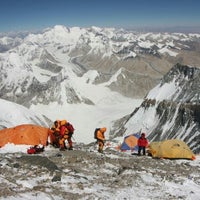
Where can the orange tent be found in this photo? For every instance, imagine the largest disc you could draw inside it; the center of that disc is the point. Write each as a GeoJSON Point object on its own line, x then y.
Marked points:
{"type": "Point", "coordinates": [28, 134]}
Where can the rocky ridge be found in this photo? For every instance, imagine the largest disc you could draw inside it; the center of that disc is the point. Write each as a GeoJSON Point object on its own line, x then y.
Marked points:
{"type": "Point", "coordinates": [85, 174]}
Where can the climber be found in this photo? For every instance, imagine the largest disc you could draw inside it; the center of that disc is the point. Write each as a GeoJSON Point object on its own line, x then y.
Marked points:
{"type": "Point", "coordinates": [100, 138]}
{"type": "Point", "coordinates": [142, 144]}
{"type": "Point", "coordinates": [54, 134]}
{"type": "Point", "coordinates": [66, 132]}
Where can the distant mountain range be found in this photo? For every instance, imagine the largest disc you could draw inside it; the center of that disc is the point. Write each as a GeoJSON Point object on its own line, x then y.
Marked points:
{"type": "Point", "coordinates": [127, 62]}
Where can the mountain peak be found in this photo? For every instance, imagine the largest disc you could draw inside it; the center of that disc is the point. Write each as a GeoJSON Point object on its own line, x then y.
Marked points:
{"type": "Point", "coordinates": [171, 109]}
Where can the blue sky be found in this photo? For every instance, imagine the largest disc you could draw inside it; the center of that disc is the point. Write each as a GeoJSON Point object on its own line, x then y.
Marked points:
{"type": "Point", "coordinates": [18, 15]}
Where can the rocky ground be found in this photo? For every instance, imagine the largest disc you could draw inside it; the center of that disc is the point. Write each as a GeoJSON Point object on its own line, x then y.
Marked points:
{"type": "Point", "coordinates": [85, 174]}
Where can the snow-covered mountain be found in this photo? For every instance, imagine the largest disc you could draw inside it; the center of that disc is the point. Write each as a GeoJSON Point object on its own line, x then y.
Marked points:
{"type": "Point", "coordinates": [171, 109]}
{"type": "Point", "coordinates": [89, 75]}
{"type": "Point", "coordinates": [37, 67]}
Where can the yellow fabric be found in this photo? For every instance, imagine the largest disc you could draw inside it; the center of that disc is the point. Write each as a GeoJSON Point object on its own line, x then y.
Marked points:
{"type": "Point", "coordinates": [62, 142]}
{"type": "Point", "coordinates": [171, 149]}
{"type": "Point", "coordinates": [24, 134]}
{"type": "Point", "coordinates": [63, 122]}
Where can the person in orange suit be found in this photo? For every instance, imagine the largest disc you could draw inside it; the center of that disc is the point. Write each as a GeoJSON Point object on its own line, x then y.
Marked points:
{"type": "Point", "coordinates": [101, 139]}
{"type": "Point", "coordinates": [66, 132]}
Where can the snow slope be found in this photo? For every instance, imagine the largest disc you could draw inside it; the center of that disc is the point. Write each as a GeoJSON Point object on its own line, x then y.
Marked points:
{"type": "Point", "coordinates": [108, 107]}
{"type": "Point", "coordinates": [13, 114]}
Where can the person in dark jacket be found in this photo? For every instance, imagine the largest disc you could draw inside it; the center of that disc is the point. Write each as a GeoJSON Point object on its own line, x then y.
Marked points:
{"type": "Point", "coordinates": [142, 144]}
{"type": "Point", "coordinates": [54, 134]}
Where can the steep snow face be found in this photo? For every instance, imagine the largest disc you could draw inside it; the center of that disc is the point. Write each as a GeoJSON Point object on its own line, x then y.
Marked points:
{"type": "Point", "coordinates": [59, 35]}
{"type": "Point", "coordinates": [13, 114]}
{"type": "Point", "coordinates": [179, 84]}
{"type": "Point", "coordinates": [171, 109]}
{"type": "Point", "coordinates": [163, 92]}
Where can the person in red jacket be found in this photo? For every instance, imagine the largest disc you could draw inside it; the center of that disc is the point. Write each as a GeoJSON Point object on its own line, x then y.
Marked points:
{"type": "Point", "coordinates": [142, 144]}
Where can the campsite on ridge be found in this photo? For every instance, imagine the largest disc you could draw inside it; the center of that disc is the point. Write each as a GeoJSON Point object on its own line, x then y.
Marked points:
{"type": "Point", "coordinates": [130, 83]}
{"type": "Point", "coordinates": [99, 100]}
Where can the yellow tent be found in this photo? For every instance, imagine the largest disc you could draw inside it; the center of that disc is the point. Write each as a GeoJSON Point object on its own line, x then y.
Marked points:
{"type": "Point", "coordinates": [171, 149]}
{"type": "Point", "coordinates": [28, 134]}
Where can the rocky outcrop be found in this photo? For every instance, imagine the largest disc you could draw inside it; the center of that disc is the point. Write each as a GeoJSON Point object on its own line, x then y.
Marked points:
{"type": "Point", "coordinates": [178, 120]}
{"type": "Point", "coordinates": [86, 174]}
{"type": "Point", "coordinates": [171, 109]}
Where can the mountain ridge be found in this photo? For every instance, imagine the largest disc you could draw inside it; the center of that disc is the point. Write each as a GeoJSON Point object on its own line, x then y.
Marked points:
{"type": "Point", "coordinates": [171, 109]}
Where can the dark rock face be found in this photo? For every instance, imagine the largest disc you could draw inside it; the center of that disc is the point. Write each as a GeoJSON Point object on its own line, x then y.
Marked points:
{"type": "Point", "coordinates": [177, 115]}
{"type": "Point", "coordinates": [186, 124]}
{"type": "Point", "coordinates": [187, 79]}
{"type": "Point", "coordinates": [183, 109]}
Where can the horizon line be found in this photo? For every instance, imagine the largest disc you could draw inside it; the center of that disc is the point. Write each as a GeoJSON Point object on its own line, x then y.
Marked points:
{"type": "Point", "coordinates": [170, 29]}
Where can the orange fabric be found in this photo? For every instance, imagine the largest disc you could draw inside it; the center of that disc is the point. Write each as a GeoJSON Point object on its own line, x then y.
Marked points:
{"type": "Point", "coordinates": [51, 136]}
{"type": "Point", "coordinates": [131, 141]}
{"type": "Point", "coordinates": [65, 136]}
{"type": "Point", "coordinates": [193, 157]}
{"type": "Point", "coordinates": [103, 129]}
{"type": "Point", "coordinates": [28, 134]}
{"type": "Point", "coordinates": [62, 141]}
{"type": "Point", "coordinates": [101, 138]}
{"type": "Point", "coordinates": [100, 134]}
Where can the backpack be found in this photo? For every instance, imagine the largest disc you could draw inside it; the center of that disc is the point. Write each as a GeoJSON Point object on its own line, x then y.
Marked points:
{"type": "Point", "coordinates": [35, 149]}
{"type": "Point", "coordinates": [31, 150]}
{"type": "Point", "coordinates": [95, 133]}
{"type": "Point", "coordinates": [70, 127]}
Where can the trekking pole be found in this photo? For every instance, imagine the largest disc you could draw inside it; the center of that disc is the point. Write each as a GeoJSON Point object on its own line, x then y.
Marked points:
{"type": "Point", "coordinates": [73, 138]}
